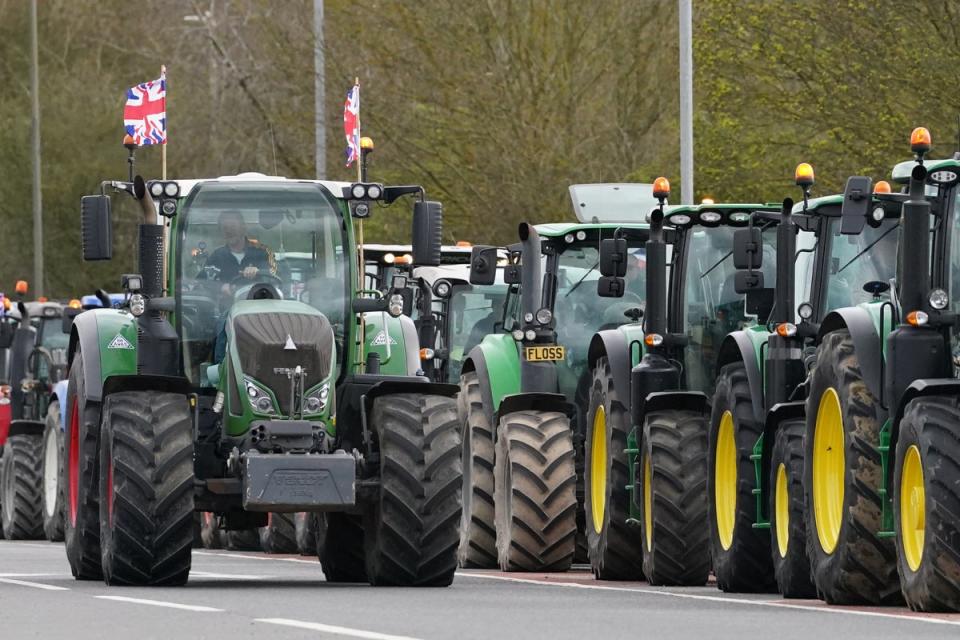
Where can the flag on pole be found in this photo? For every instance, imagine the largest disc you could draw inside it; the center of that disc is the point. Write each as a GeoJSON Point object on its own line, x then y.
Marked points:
{"type": "Point", "coordinates": [145, 113]}
{"type": "Point", "coordinates": [351, 123]}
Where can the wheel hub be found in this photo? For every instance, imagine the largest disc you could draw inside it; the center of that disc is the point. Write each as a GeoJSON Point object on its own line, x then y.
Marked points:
{"type": "Point", "coordinates": [829, 470]}
{"type": "Point", "coordinates": [725, 480]}
{"type": "Point", "coordinates": [51, 469]}
{"type": "Point", "coordinates": [73, 463]}
{"type": "Point", "coordinates": [598, 469]}
{"type": "Point", "coordinates": [912, 508]}
{"type": "Point", "coordinates": [647, 502]}
{"type": "Point", "coordinates": [782, 511]}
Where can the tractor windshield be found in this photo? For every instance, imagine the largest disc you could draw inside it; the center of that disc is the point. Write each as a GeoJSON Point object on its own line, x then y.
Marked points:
{"type": "Point", "coordinates": [713, 308]}
{"type": "Point", "coordinates": [237, 235]}
{"type": "Point", "coordinates": [858, 259]}
{"type": "Point", "coordinates": [474, 312]}
{"type": "Point", "coordinates": [580, 312]}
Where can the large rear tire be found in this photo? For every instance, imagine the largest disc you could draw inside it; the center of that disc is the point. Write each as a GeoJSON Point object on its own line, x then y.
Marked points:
{"type": "Point", "coordinates": [673, 484]}
{"type": "Point", "coordinates": [146, 488]}
{"type": "Point", "coordinates": [536, 501]}
{"type": "Point", "coordinates": [788, 531]}
{"type": "Point", "coordinates": [53, 475]}
{"type": "Point", "coordinates": [340, 547]}
{"type": "Point", "coordinates": [81, 498]}
{"type": "Point", "coordinates": [412, 530]}
{"type": "Point", "coordinates": [242, 540]}
{"type": "Point", "coordinates": [305, 526]}
{"type": "Point", "coordinates": [280, 534]}
{"type": "Point", "coordinates": [926, 504]}
{"type": "Point", "coordinates": [842, 476]}
{"type": "Point", "coordinates": [615, 548]}
{"type": "Point", "coordinates": [21, 473]}
{"type": "Point", "coordinates": [741, 553]}
{"type": "Point", "coordinates": [478, 534]}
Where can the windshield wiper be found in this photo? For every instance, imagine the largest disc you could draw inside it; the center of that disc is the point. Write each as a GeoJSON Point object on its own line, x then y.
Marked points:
{"type": "Point", "coordinates": [867, 248]}
{"type": "Point", "coordinates": [580, 281]}
{"type": "Point", "coordinates": [716, 264]}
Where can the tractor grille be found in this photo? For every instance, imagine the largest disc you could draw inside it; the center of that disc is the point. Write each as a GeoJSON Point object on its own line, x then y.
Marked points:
{"type": "Point", "coordinates": [262, 340]}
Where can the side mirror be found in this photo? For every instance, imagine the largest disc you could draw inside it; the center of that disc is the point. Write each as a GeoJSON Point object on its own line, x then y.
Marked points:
{"type": "Point", "coordinates": [613, 257]}
{"type": "Point", "coordinates": [483, 265]}
{"type": "Point", "coordinates": [427, 231]}
{"type": "Point", "coordinates": [68, 317]}
{"type": "Point", "coordinates": [747, 249]}
{"type": "Point", "coordinates": [610, 286]}
{"type": "Point", "coordinates": [96, 230]}
{"type": "Point", "coordinates": [759, 302]}
{"type": "Point", "coordinates": [747, 281]}
{"type": "Point", "coordinates": [6, 335]}
{"type": "Point", "coordinates": [856, 207]}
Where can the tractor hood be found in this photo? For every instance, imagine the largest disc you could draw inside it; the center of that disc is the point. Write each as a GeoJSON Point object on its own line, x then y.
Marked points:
{"type": "Point", "coordinates": [271, 338]}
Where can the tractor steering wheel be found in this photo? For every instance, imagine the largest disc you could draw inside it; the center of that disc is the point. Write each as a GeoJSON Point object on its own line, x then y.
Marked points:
{"type": "Point", "coordinates": [262, 276]}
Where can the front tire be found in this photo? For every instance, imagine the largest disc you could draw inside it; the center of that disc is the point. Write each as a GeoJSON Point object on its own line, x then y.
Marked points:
{"type": "Point", "coordinates": [536, 501]}
{"type": "Point", "coordinates": [53, 475]}
{"type": "Point", "coordinates": [305, 527]}
{"type": "Point", "coordinates": [842, 476]}
{"type": "Point", "coordinates": [478, 534]}
{"type": "Point", "coordinates": [340, 547]}
{"type": "Point", "coordinates": [741, 553]}
{"type": "Point", "coordinates": [413, 534]}
{"type": "Point", "coordinates": [21, 483]}
{"type": "Point", "coordinates": [788, 532]}
{"type": "Point", "coordinates": [81, 500]}
{"type": "Point", "coordinates": [280, 534]}
{"type": "Point", "coordinates": [673, 469]}
{"type": "Point", "coordinates": [614, 547]}
{"type": "Point", "coordinates": [146, 488]}
{"type": "Point", "coordinates": [926, 504]}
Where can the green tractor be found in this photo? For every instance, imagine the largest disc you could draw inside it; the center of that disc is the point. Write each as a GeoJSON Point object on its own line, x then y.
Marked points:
{"type": "Point", "coordinates": [757, 532]}
{"type": "Point", "coordinates": [881, 454]}
{"type": "Point", "coordinates": [523, 388]}
{"type": "Point", "coordinates": [227, 384]}
{"type": "Point", "coordinates": [646, 445]}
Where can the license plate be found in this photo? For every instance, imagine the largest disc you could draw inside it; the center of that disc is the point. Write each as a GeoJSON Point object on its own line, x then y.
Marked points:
{"type": "Point", "coordinates": [544, 353]}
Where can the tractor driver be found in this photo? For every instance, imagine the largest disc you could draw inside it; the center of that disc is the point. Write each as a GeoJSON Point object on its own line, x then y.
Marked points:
{"type": "Point", "coordinates": [239, 255]}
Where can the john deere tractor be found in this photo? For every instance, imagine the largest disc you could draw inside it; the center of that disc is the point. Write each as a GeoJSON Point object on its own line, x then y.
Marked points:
{"type": "Point", "coordinates": [230, 385]}
{"type": "Point", "coordinates": [757, 531]}
{"type": "Point", "coordinates": [646, 446]}
{"type": "Point", "coordinates": [523, 388]}
{"type": "Point", "coordinates": [881, 452]}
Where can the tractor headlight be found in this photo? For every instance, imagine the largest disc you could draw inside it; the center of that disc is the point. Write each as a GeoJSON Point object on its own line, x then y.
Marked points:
{"type": "Point", "coordinates": [544, 316]}
{"type": "Point", "coordinates": [260, 398]}
{"type": "Point", "coordinates": [138, 304]}
{"type": "Point", "coordinates": [441, 288]}
{"type": "Point", "coordinates": [528, 317]}
{"type": "Point", "coordinates": [680, 219]}
{"type": "Point", "coordinates": [156, 189]}
{"type": "Point", "coordinates": [168, 208]}
{"type": "Point", "coordinates": [316, 400]}
{"type": "Point", "coordinates": [710, 217]}
{"type": "Point", "coordinates": [374, 192]}
{"type": "Point", "coordinates": [517, 335]}
{"type": "Point", "coordinates": [568, 238]}
{"type": "Point", "coordinates": [805, 310]}
{"type": "Point", "coordinates": [877, 214]}
{"type": "Point", "coordinates": [359, 191]}
{"type": "Point", "coordinates": [171, 189]}
{"type": "Point", "coordinates": [739, 217]}
{"type": "Point", "coordinates": [530, 335]}
{"type": "Point", "coordinates": [939, 299]}
{"type": "Point", "coordinates": [581, 235]}
{"type": "Point", "coordinates": [395, 305]}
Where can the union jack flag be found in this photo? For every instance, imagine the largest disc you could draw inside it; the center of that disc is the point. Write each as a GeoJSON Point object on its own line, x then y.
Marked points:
{"type": "Point", "coordinates": [351, 123]}
{"type": "Point", "coordinates": [145, 114]}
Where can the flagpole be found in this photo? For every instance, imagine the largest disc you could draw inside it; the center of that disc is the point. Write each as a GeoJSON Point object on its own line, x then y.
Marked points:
{"type": "Point", "coordinates": [362, 264]}
{"type": "Point", "coordinates": [166, 133]}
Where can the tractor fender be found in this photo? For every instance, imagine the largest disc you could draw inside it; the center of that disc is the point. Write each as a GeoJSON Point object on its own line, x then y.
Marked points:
{"type": "Point", "coordinates": [411, 344]}
{"type": "Point", "coordinates": [60, 395]}
{"type": "Point", "coordinates": [742, 346]}
{"type": "Point", "coordinates": [535, 402]}
{"type": "Point", "coordinates": [613, 344]}
{"type": "Point", "coordinates": [777, 414]}
{"type": "Point", "coordinates": [920, 388]}
{"type": "Point", "coordinates": [109, 338]}
{"type": "Point", "coordinates": [26, 428]}
{"type": "Point", "coordinates": [866, 342]}
{"type": "Point", "coordinates": [496, 361]}
{"type": "Point", "coordinates": [418, 384]}
{"type": "Point", "coordinates": [677, 400]}
{"type": "Point", "coordinates": [141, 382]}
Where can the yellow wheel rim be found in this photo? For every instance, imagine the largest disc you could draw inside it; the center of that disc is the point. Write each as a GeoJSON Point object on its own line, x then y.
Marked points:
{"type": "Point", "coordinates": [598, 469]}
{"type": "Point", "coordinates": [913, 519]}
{"type": "Point", "coordinates": [829, 470]}
{"type": "Point", "coordinates": [647, 502]}
{"type": "Point", "coordinates": [782, 511]}
{"type": "Point", "coordinates": [725, 480]}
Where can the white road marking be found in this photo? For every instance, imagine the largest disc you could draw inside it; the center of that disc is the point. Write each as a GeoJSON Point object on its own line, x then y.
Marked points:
{"type": "Point", "coordinates": [34, 575]}
{"type": "Point", "coordinates": [695, 596]}
{"type": "Point", "coordinates": [35, 585]}
{"type": "Point", "coordinates": [329, 628]}
{"type": "Point", "coordinates": [162, 603]}
{"type": "Point", "coordinates": [225, 576]}
{"type": "Point", "coordinates": [244, 556]}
